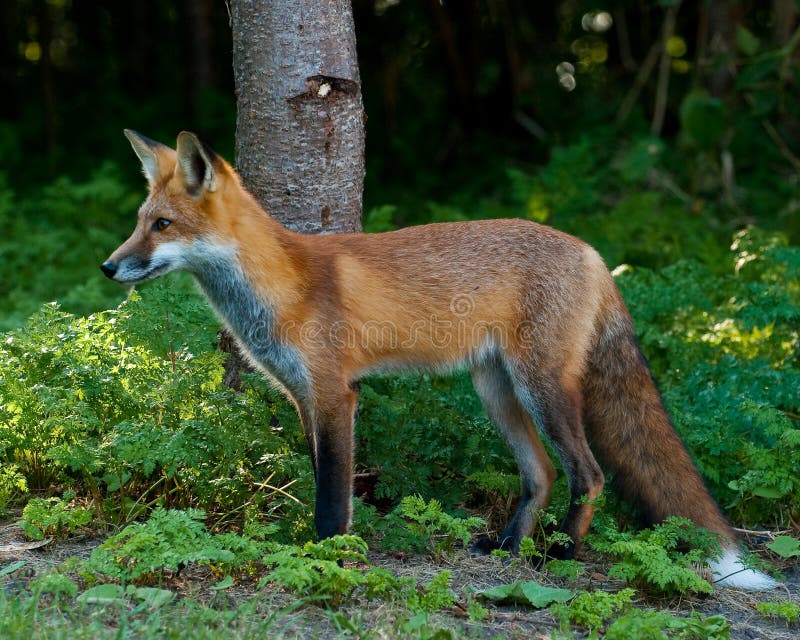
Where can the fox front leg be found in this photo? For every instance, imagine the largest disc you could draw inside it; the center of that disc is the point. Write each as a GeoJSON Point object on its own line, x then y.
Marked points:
{"type": "Point", "coordinates": [329, 429]}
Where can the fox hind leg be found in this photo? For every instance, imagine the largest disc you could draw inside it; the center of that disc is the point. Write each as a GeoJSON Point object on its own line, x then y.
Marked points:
{"type": "Point", "coordinates": [558, 412]}
{"type": "Point", "coordinates": [496, 391]}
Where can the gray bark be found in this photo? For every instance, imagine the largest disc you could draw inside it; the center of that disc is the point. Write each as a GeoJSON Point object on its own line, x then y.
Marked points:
{"type": "Point", "coordinates": [300, 119]}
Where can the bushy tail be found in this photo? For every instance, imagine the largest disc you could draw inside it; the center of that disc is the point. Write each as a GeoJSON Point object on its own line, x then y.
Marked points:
{"type": "Point", "coordinates": [633, 437]}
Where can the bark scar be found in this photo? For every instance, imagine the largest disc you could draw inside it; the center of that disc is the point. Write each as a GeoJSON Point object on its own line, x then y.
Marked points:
{"type": "Point", "coordinates": [326, 216]}
{"type": "Point", "coordinates": [325, 88]}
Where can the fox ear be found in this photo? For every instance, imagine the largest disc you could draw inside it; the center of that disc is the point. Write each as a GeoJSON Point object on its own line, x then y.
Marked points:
{"type": "Point", "coordinates": [148, 151]}
{"type": "Point", "coordinates": [195, 163]}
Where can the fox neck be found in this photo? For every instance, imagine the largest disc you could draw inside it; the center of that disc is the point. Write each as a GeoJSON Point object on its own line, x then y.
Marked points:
{"type": "Point", "coordinates": [267, 252]}
{"type": "Point", "coordinates": [235, 277]}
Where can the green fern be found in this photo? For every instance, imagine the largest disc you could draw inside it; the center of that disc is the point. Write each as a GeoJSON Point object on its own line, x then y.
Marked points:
{"type": "Point", "coordinates": [165, 543]}
{"type": "Point", "coordinates": [653, 559]}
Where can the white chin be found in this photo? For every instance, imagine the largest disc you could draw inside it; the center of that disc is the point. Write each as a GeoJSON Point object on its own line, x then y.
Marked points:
{"type": "Point", "coordinates": [133, 278]}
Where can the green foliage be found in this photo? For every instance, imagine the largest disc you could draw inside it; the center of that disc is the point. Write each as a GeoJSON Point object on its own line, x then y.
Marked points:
{"type": "Point", "coordinates": [12, 485]}
{"type": "Point", "coordinates": [702, 119]}
{"type": "Point", "coordinates": [546, 534]}
{"type": "Point", "coordinates": [660, 625]}
{"type": "Point", "coordinates": [316, 570]}
{"type": "Point", "coordinates": [614, 613]}
{"type": "Point", "coordinates": [419, 627]}
{"type": "Point", "coordinates": [476, 612]}
{"type": "Point", "coordinates": [785, 609]}
{"type": "Point", "coordinates": [11, 568]}
{"type": "Point", "coordinates": [653, 558]}
{"type": "Point", "coordinates": [149, 598]}
{"type": "Point", "coordinates": [103, 594]}
{"type": "Point", "coordinates": [331, 570]}
{"type": "Point", "coordinates": [53, 517]}
{"type": "Point", "coordinates": [529, 592]}
{"type": "Point", "coordinates": [122, 405]}
{"type": "Point", "coordinates": [112, 612]}
{"type": "Point", "coordinates": [56, 584]}
{"type": "Point", "coordinates": [426, 525]}
{"type": "Point", "coordinates": [52, 241]}
{"type": "Point", "coordinates": [592, 610]}
{"type": "Point", "coordinates": [166, 542]}
{"type": "Point", "coordinates": [528, 550]}
{"type": "Point", "coordinates": [726, 353]}
{"type": "Point", "coordinates": [379, 219]}
{"type": "Point", "coordinates": [569, 186]}
{"type": "Point", "coordinates": [569, 569]}
{"type": "Point", "coordinates": [785, 546]}
{"type": "Point", "coordinates": [424, 434]}
{"type": "Point", "coordinates": [502, 484]}
{"type": "Point", "coordinates": [434, 595]}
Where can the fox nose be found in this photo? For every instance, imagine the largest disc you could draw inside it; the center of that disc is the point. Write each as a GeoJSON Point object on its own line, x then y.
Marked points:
{"type": "Point", "coordinates": [109, 268]}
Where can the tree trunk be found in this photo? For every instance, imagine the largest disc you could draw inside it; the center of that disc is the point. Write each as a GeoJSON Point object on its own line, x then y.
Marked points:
{"type": "Point", "coordinates": [300, 119]}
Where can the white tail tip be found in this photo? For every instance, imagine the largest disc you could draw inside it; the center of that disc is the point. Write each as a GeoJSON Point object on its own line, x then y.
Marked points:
{"type": "Point", "coordinates": [730, 571]}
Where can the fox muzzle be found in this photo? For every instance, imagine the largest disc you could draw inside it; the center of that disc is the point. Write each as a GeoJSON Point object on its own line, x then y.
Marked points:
{"type": "Point", "coordinates": [109, 269]}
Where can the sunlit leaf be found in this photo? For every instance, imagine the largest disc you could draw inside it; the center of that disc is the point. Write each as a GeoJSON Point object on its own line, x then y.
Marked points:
{"type": "Point", "coordinates": [530, 593]}
{"type": "Point", "coordinates": [785, 546]}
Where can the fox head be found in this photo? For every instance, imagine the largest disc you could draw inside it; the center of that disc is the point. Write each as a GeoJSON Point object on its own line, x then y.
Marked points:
{"type": "Point", "coordinates": [186, 185]}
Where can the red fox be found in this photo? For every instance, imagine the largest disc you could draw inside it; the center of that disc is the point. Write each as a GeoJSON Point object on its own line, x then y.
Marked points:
{"type": "Point", "coordinates": [532, 312]}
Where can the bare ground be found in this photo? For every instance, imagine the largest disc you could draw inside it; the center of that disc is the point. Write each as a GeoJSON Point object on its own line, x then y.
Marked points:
{"type": "Point", "coordinates": [738, 607]}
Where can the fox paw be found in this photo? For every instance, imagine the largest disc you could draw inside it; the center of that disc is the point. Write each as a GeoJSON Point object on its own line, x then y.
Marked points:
{"type": "Point", "coordinates": [483, 546]}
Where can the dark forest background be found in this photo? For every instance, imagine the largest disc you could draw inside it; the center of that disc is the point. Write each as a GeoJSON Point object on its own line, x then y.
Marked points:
{"type": "Point", "coordinates": [455, 92]}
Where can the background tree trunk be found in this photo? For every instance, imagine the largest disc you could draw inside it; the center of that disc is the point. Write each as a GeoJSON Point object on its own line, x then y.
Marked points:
{"type": "Point", "coordinates": [300, 119]}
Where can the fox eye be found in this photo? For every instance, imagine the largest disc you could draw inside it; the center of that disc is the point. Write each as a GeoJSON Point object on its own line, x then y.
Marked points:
{"type": "Point", "coordinates": [161, 224]}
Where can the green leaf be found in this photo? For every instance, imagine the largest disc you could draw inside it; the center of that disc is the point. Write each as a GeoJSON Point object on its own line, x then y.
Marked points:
{"type": "Point", "coordinates": [102, 594]}
{"type": "Point", "coordinates": [5, 571]}
{"type": "Point", "coordinates": [541, 596]}
{"type": "Point", "coordinates": [225, 583]}
{"type": "Point", "coordinates": [702, 119]}
{"type": "Point", "coordinates": [785, 546]}
{"type": "Point", "coordinates": [746, 42]}
{"type": "Point", "coordinates": [152, 597]}
{"type": "Point", "coordinates": [643, 155]}
{"type": "Point", "coordinates": [530, 593]}
{"type": "Point", "coordinates": [768, 492]}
